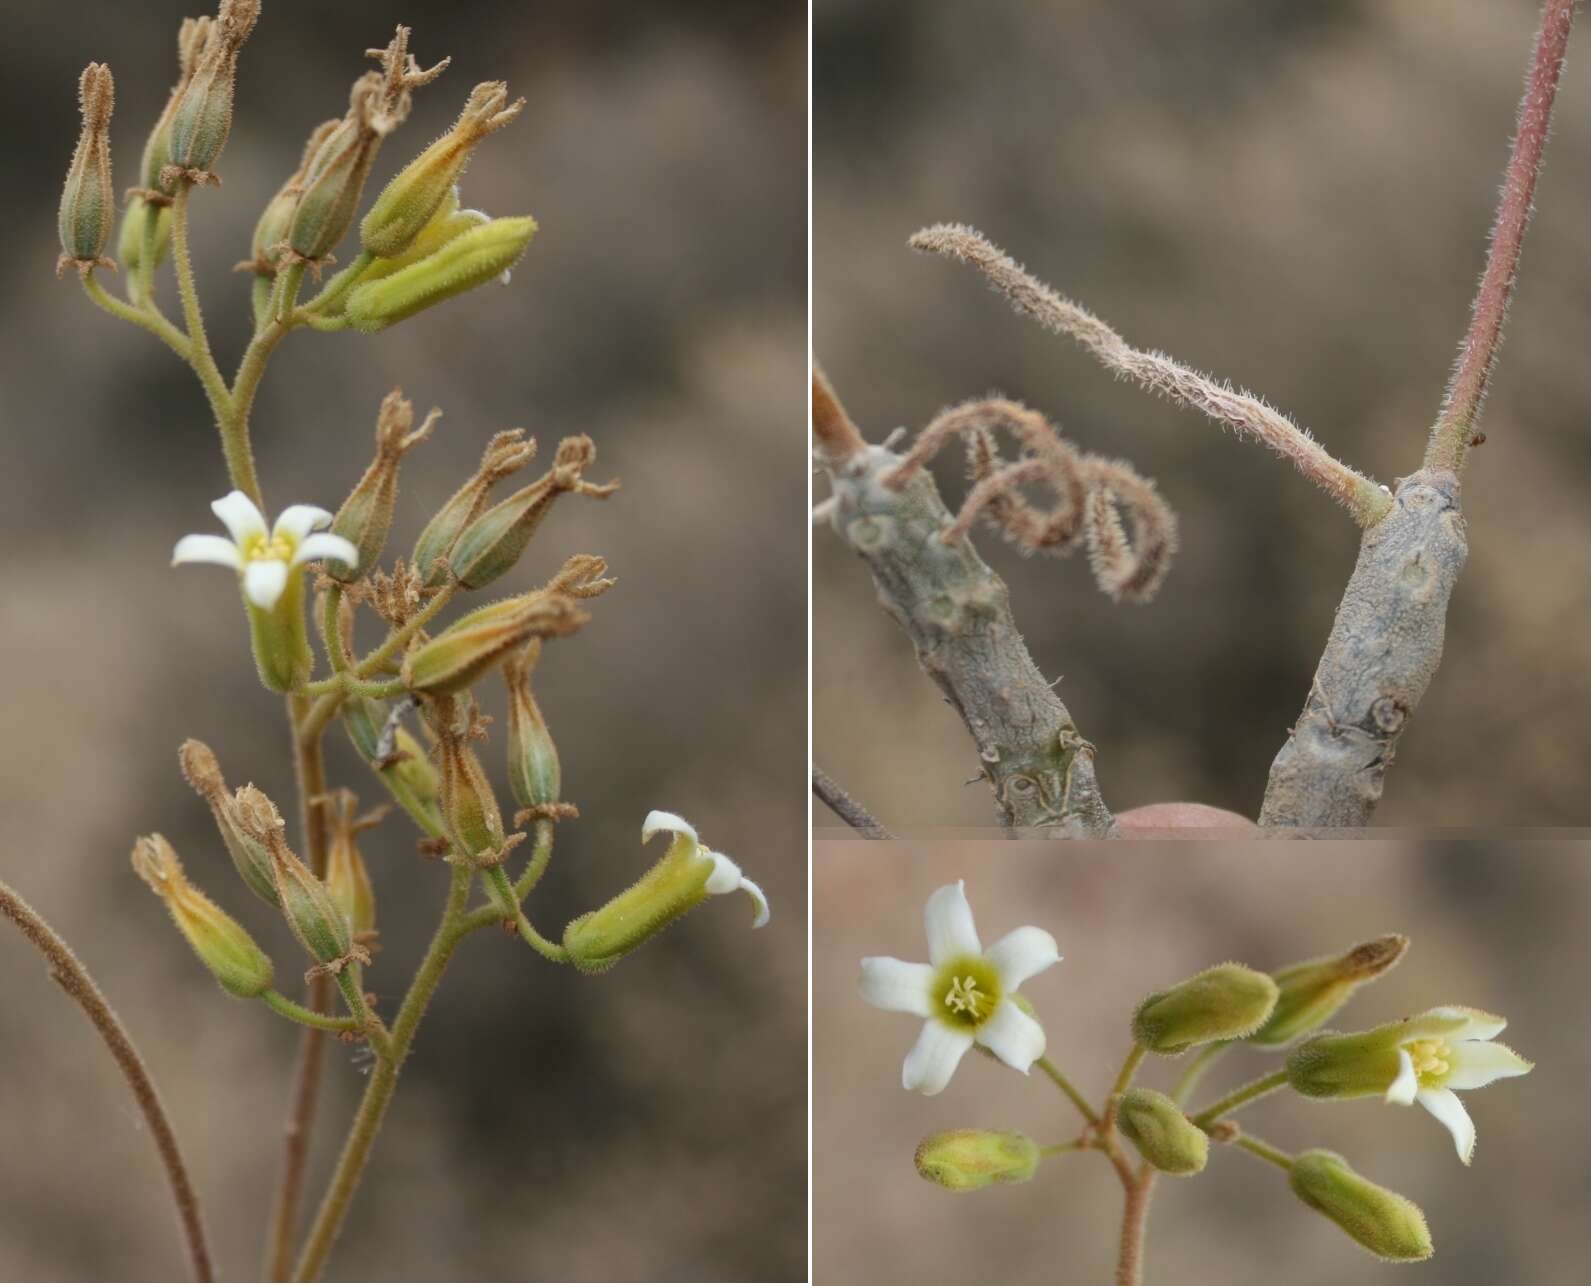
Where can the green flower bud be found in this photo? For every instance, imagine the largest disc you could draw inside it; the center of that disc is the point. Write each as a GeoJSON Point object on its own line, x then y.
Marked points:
{"type": "Point", "coordinates": [276, 219]}
{"type": "Point", "coordinates": [448, 222]}
{"type": "Point", "coordinates": [347, 878]}
{"type": "Point", "coordinates": [251, 858]}
{"type": "Point", "coordinates": [220, 942]}
{"type": "Point", "coordinates": [306, 903]}
{"type": "Point", "coordinates": [685, 875]}
{"type": "Point", "coordinates": [398, 759]}
{"type": "Point", "coordinates": [963, 1160]}
{"type": "Point", "coordinates": [1385, 1224]}
{"type": "Point", "coordinates": [1227, 1002]}
{"type": "Point", "coordinates": [334, 179]}
{"type": "Point", "coordinates": [88, 201]}
{"type": "Point", "coordinates": [1311, 992]}
{"type": "Point", "coordinates": [480, 255]}
{"type": "Point", "coordinates": [130, 245]}
{"type": "Point", "coordinates": [506, 453]}
{"type": "Point", "coordinates": [192, 37]}
{"type": "Point", "coordinates": [533, 771]}
{"type": "Point", "coordinates": [202, 116]}
{"type": "Point", "coordinates": [409, 202]}
{"type": "Point", "coordinates": [473, 822]}
{"type": "Point", "coordinates": [1164, 1137]}
{"type": "Point", "coordinates": [493, 542]}
{"type": "Point", "coordinates": [365, 517]}
{"type": "Point", "coordinates": [478, 642]}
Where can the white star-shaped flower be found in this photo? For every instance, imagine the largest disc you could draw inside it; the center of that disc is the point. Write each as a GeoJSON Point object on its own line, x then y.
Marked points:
{"type": "Point", "coordinates": [265, 558]}
{"type": "Point", "coordinates": [965, 993]}
{"type": "Point", "coordinates": [1449, 1049]}
{"type": "Point", "coordinates": [726, 876]}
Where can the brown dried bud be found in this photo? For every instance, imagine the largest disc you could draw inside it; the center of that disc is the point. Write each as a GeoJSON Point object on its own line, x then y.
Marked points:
{"type": "Point", "coordinates": [365, 517]}
{"type": "Point", "coordinates": [270, 232]}
{"type": "Point", "coordinates": [249, 855]}
{"type": "Point", "coordinates": [202, 118]}
{"type": "Point", "coordinates": [192, 37]}
{"type": "Point", "coordinates": [479, 641]}
{"type": "Point", "coordinates": [88, 202]}
{"type": "Point", "coordinates": [469, 808]}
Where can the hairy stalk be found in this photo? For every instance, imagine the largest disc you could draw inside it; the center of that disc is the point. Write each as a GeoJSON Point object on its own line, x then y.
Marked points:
{"type": "Point", "coordinates": [1156, 372]}
{"type": "Point", "coordinates": [957, 613]}
{"type": "Point", "coordinates": [540, 856]}
{"type": "Point", "coordinates": [68, 970]}
{"type": "Point", "coordinates": [295, 1012]}
{"type": "Point", "coordinates": [1386, 641]}
{"type": "Point", "coordinates": [847, 809]}
{"type": "Point", "coordinates": [310, 776]}
{"type": "Point", "coordinates": [154, 323]}
{"type": "Point", "coordinates": [1263, 1150]}
{"type": "Point", "coordinates": [1454, 433]}
{"type": "Point", "coordinates": [1134, 1224]}
{"type": "Point", "coordinates": [1066, 1087]}
{"type": "Point", "coordinates": [1239, 1097]}
{"type": "Point", "coordinates": [384, 1080]}
{"type": "Point", "coordinates": [1194, 1072]}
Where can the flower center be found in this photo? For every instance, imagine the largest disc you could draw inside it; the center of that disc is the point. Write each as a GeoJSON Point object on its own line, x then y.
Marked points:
{"type": "Point", "coordinates": [1432, 1060]}
{"type": "Point", "coordinates": [266, 548]}
{"type": "Point", "coordinates": [966, 992]}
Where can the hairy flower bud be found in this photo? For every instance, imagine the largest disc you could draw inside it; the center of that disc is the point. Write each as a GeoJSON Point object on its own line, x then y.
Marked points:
{"type": "Point", "coordinates": [1384, 1223]}
{"type": "Point", "coordinates": [399, 760]}
{"type": "Point", "coordinates": [220, 942]}
{"type": "Point", "coordinates": [365, 517]}
{"type": "Point", "coordinates": [506, 453]}
{"type": "Point", "coordinates": [202, 116]}
{"type": "Point", "coordinates": [479, 641]}
{"type": "Point", "coordinates": [192, 37]}
{"type": "Point", "coordinates": [964, 1160]}
{"type": "Point", "coordinates": [334, 178]}
{"type": "Point", "coordinates": [408, 203]}
{"type": "Point", "coordinates": [88, 201]}
{"type": "Point", "coordinates": [1312, 991]}
{"type": "Point", "coordinates": [1227, 1002]}
{"type": "Point", "coordinates": [347, 879]}
{"type": "Point", "coordinates": [470, 814]}
{"type": "Point", "coordinates": [276, 219]}
{"type": "Point", "coordinates": [251, 858]}
{"type": "Point", "coordinates": [1163, 1135]}
{"type": "Point", "coordinates": [479, 255]}
{"type": "Point", "coordinates": [493, 542]}
{"type": "Point", "coordinates": [534, 775]}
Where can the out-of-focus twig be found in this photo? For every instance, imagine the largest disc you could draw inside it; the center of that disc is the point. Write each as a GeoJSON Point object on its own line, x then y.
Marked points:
{"type": "Point", "coordinates": [847, 809]}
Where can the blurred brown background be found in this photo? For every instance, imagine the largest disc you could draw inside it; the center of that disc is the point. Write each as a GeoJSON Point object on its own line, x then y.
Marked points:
{"type": "Point", "coordinates": [647, 1124]}
{"type": "Point", "coordinates": [1132, 919]}
{"type": "Point", "coordinates": [1292, 196]}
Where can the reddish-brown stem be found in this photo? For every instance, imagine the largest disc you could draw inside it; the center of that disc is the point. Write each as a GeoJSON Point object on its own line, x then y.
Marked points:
{"type": "Point", "coordinates": [1466, 391]}
{"type": "Point", "coordinates": [67, 970]}
{"type": "Point", "coordinates": [835, 437]}
{"type": "Point", "coordinates": [1134, 1220]}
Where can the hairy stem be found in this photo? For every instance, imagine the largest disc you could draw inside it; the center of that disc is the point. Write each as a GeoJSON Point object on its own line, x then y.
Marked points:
{"type": "Point", "coordinates": [68, 970]}
{"type": "Point", "coordinates": [1263, 1150]}
{"type": "Point", "coordinates": [383, 1081]}
{"type": "Point", "coordinates": [1466, 391]}
{"type": "Point", "coordinates": [155, 324]}
{"type": "Point", "coordinates": [1066, 1087]}
{"type": "Point", "coordinates": [1256, 1089]}
{"type": "Point", "coordinates": [1134, 1224]}
{"type": "Point", "coordinates": [835, 438]}
{"type": "Point", "coordinates": [847, 809]}
{"type": "Point", "coordinates": [295, 1012]}
{"type": "Point", "coordinates": [1194, 1072]}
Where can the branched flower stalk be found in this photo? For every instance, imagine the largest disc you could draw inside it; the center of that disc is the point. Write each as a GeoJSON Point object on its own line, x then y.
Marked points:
{"type": "Point", "coordinates": [967, 996]}
{"type": "Point", "coordinates": [418, 249]}
{"type": "Point", "coordinates": [1386, 642]}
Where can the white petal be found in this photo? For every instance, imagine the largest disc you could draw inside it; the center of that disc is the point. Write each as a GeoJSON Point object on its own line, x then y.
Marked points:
{"type": "Point", "coordinates": [1476, 1063]}
{"type": "Point", "coordinates": [726, 878]}
{"type": "Point", "coordinates": [658, 820]}
{"type": "Point", "coordinates": [896, 985]}
{"type": "Point", "coordinates": [1021, 954]}
{"type": "Point", "coordinates": [1444, 1105]}
{"type": "Point", "coordinates": [1455, 1022]}
{"type": "Point", "coordinates": [297, 521]}
{"type": "Point", "coordinates": [1012, 1037]}
{"type": "Point", "coordinates": [325, 545]}
{"type": "Point", "coordinates": [948, 921]}
{"type": "Point", "coordinates": [263, 582]}
{"type": "Point", "coordinates": [207, 549]}
{"type": "Point", "coordinates": [1407, 1085]}
{"type": "Point", "coordinates": [933, 1059]}
{"type": "Point", "coordinates": [240, 517]}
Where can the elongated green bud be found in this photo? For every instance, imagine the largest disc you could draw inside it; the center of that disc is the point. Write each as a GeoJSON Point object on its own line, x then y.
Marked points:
{"type": "Point", "coordinates": [1227, 1002]}
{"type": "Point", "coordinates": [474, 823]}
{"type": "Point", "coordinates": [202, 116]}
{"type": "Point", "coordinates": [365, 517]}
{"type": "Point", "coordinates": [276, 219]}
{"type": "Point", "coordinates": [493, 542]}
{"type": "Point", "coordinates": [398, 759]}
{"type": "Point", "coordinates": [221, 943]}
{"type": "Point", "coordinates": [409, 202]}
{"type": "Point", "coordinates": [448, 223]}
{"type": "Point", "coordinates": [192, 37]}
{"type": "Point", "coordinates": [1312, 991]}
{"type": "Point", "coordinates": [534, 775]}
{"type": "Point", "coordinates": [506, 453]}
{"type": "Point", "coordinates": [335, 178]}
{"type": "Point", "coordinates": [251, 858]}
{"type": "Point", "coordinates": [1163, 1136]}
{"type": "Point", "coordinates": [88, 201]}
{"type": "Point", "coordinates": [130, 245]}
{"type": "Point", "coordinates": [965, 1160]}
{"type": "Point", "coordinates": [306, 903]}
{"type": "Point", "coordinates": [479, 641]}
{"type": "Point", "coordinates": [1389, 1226]}
{"type": "Point", "coordinates": [482, 254]}
{"type": "Point", "coordinates": [347, 878]}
